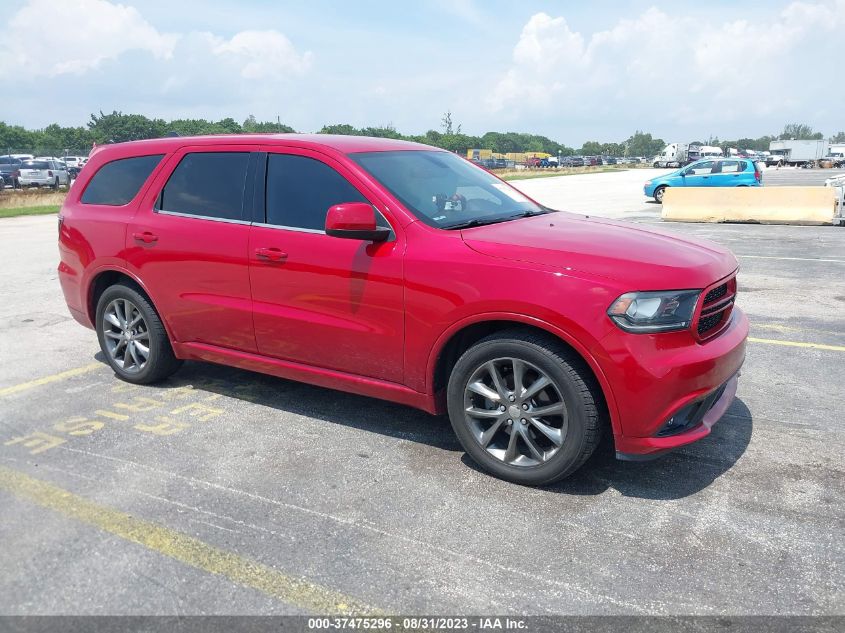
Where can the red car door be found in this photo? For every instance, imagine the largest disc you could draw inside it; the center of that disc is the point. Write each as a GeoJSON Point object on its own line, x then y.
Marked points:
{"type": "Point", "coordinates": [188, 243]}
{"type": "Point", "coordinates": [334, 303]}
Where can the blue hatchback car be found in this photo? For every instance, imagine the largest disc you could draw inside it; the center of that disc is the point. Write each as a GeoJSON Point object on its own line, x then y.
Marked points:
{"type": "Point", "coordinates": [709, 172]}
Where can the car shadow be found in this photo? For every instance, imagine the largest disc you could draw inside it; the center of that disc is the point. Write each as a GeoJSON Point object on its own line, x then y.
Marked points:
{"type": "Point", "coordinates": [675, 475]}
{"type": "Point", "coordinates": [336, 407]}
{"type": "Point", "coordinates": [672, 476]}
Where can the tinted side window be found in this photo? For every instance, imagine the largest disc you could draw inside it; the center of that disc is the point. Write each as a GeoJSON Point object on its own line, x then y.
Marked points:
{"type": "Point", "coordinates": [300, 191]}
{"type": "Point", "coordinates": [209, 184]}
{"type": "Point", "coordinates": [117, 182]}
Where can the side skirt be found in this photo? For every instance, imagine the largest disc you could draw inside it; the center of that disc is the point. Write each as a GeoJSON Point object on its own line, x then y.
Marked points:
{"type": "Point", "coordinates": [361, 385]}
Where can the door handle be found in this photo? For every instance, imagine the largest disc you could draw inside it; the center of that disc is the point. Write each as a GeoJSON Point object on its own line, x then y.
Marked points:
{"type": "Point", "coordinates": [146, 237]}
{"type": "Point", "coordinates": [273, 254]}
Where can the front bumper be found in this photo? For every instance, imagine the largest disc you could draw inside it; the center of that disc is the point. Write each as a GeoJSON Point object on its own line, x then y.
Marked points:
{"type": "Point", "coordinates": [658, 377]}
{"type": "Point", "coordinates": [651, 447]}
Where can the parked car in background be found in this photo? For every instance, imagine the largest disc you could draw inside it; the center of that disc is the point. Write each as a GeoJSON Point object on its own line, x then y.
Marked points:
{"type": "Point", "coordinates": [10, 171]}
{"type": "Point", "coordinates": [74, 161]}
{"type": "Point", "coordinates": [836, 159]}
{"type": "Point", "coordinates": [572, 161]}
{"type": "Point", "coordinates": [43, 173]}
{"type": "Point", "coordinates": [609, 160]}
{"type": "Point", "coordinates": [710, 172]}
{"type": "Point", "coordinates": [400, 271]}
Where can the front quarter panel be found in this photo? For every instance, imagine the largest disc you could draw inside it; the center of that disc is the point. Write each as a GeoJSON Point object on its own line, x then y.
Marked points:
{"type": "Point", "coordinates": [449, 286]}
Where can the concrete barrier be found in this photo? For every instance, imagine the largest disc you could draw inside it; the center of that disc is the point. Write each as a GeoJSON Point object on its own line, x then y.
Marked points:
{"type": "Point", "coordinates": [764, 205]}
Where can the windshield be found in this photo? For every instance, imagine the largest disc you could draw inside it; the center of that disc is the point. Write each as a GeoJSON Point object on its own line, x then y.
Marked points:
{"type": "Point", "coordinates": [444, 190]}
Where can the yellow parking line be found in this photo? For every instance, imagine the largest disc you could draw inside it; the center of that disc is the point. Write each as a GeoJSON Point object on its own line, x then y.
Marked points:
{"type": "Point", "coordinates": [46, 380]}
{"type": "Point", "coordinates": [184, 548]}
{"type": "Point", "coordinates": [771, 341]}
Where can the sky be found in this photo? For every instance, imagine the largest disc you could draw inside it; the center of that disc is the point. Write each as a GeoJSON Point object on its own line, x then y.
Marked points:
{"type": "Point", "coordinates": [571, 70]}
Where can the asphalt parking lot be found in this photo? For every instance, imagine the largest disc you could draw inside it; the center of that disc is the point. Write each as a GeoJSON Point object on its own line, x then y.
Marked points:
{"type": "Point", "coordinates": [227, 492]}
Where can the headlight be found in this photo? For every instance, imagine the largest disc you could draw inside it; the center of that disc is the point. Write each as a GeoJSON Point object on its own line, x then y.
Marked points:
{"type": "Point", "coordinates": [645, 312]}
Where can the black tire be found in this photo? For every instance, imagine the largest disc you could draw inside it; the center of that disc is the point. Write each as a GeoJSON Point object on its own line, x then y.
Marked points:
{"type": "Point", "coordinates": [55, 186]}
{"type": "Point", "coordinates": [161, 362]}
{"type": "Point", "coordinates": [658, 194]}
{"type": "Point", "coordinates": [580, 395]}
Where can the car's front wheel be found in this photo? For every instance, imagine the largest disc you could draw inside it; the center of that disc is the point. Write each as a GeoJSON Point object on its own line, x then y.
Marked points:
{"type": "Point", "coordinates": [658, 194]}
{"type": "Point", "coordinates": [132, 336]}
{"type": "Point", "coordinates": [524, 407]}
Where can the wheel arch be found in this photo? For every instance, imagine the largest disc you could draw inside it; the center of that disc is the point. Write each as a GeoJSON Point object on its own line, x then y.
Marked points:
{"type": "Point", "coordinates": [106, 277]}
{"type": "Point", "coordinates": [462, 335]}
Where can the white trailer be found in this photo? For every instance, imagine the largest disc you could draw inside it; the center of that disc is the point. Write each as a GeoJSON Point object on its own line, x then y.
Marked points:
{"type": "Point", "coordinates": [798, 153]}
{"type": "Point", "coordinates": [673, 155]}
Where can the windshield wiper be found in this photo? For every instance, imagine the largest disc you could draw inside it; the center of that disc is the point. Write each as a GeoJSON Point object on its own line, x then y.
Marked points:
{"type": "Point", "coordinates": [485, 221]}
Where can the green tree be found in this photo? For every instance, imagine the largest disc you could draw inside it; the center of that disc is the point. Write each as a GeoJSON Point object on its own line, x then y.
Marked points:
{"type": "Point", "coordinates": [839, 137]}
{"type": "Point", "coordinates": [591, 148]}
{"type": "Point", "coordinates": [612, 149]}
{"type": "Point", "coordinates": [253, 125]}
{"type": "Point", "coordinates": [55, 139]}
{"type": "Point", "coordinates": [15, 139]}
{"type": "Point", "coordinates": [642, 144]}
{"type": "Point", "coordinates": [340, 128]}
{"type": "Point", "coordinates": [118, 127]}
{"type": "Point", "coordinates": [799, 131]}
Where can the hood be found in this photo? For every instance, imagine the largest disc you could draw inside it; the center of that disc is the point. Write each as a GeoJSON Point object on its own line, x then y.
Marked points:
{"type": "Point", "coordinates": [670, 174]}
{"type": "Point", "coordinates": [637, 257]}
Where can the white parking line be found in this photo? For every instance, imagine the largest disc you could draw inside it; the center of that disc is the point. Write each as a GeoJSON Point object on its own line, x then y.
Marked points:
{"type": "Point", "coordinates": [797, 259]}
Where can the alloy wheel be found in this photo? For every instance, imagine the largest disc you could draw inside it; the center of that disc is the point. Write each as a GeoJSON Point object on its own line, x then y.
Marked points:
{"type": "Point", "coordinates": [515, 412]}
{"type": "Point", "coordinates": [126, 335]}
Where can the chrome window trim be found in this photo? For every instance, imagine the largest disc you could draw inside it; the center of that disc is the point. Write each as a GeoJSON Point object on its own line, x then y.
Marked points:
{"type": "Point", "coordinates": [179, 214]}
{"type": "Point", "coordinates": [289, 228]}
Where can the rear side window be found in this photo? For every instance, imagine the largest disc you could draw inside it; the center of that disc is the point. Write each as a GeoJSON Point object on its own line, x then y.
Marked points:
{"type": "Point", "coordinates": [207, 184]}
{"type": "Point", "coordinates": [300, 191]}
{"type": "Point", "coordinates": [117, 182]}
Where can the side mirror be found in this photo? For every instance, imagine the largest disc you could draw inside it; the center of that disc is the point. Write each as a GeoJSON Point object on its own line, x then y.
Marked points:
{"type": "Point", "coordinates": [355, 220]}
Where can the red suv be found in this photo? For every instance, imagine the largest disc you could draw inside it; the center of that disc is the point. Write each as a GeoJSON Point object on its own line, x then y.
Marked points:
{"type": "Point", "coordinates": [403, 272]}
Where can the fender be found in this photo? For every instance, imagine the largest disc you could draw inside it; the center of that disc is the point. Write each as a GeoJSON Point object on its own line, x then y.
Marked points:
{"type": "Point", "coordinates": [583, 351]}
{"type": "Point", "coordinates": [104, 268]}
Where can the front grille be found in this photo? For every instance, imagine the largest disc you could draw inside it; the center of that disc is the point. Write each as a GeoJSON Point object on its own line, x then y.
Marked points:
{"type": "Point", "coordinates": [716, 309]}
{"type": "Point", "coordinates": [705, 324]}
{"type": "Point", "coordinates": [716, 293]}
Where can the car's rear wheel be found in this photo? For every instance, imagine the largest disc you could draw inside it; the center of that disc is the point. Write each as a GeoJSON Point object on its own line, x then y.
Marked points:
{"type": "Point", "coordinates": [658, 194]}
{"type": "Point", "coordinates": [524, 407]}
{"type": "Point", "coordinates": [55, 186]}
{"type": "Point", "coordinates": [132, 336]}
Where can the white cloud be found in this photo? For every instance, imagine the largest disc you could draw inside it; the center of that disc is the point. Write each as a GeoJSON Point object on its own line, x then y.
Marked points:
{"type": "Point", "coordinates": [53, 38]}
{"type": "Point", "coordinates": [50, 38]}
{"type": "Point", "coordinates": [264, 54]}
{"type": "Point", "coordinates": [674, 66]}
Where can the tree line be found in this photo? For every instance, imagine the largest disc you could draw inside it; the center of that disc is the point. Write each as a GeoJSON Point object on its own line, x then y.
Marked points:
{"type": "Point", "coordinates": [116, 127]}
